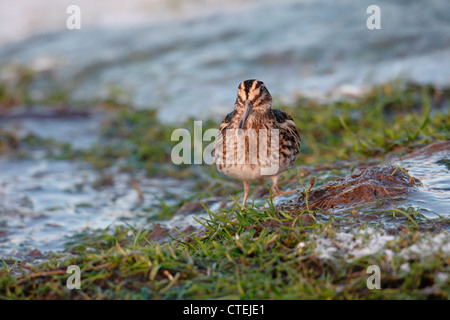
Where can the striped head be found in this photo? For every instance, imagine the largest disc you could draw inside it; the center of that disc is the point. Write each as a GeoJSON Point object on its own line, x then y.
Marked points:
{"type": "Point", "coordinates": [253, 97]}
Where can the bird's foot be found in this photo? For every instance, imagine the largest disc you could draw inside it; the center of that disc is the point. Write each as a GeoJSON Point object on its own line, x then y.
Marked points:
{"type": "Point", "coordinates": [277, 192]}
{"type": "Point", "coordinates": [283, 193]}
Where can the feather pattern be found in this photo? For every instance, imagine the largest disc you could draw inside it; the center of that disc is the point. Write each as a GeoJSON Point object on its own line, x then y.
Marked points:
{"type": "Point", "coordinates": [254, 140]}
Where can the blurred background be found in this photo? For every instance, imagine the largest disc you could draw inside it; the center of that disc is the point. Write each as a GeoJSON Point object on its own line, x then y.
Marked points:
{"type": "Point", "coordinates": [186, 58]}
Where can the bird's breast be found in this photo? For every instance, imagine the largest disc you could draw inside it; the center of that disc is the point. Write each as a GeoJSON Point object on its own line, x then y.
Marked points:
{"type": "Point", "coordinates": [250, 153]}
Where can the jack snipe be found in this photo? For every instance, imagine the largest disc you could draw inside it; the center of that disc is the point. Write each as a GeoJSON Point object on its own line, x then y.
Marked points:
{"type": "Point", "coordinates": [256, 141]}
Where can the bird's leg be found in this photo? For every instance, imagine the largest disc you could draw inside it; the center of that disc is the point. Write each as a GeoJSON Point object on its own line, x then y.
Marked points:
{"type": "Point", "coordinates": [276, 190]}
{"type": "Point", "coordinates": [246, 192]}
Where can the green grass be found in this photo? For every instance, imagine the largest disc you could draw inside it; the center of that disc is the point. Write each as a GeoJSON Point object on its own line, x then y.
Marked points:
{"type": "Point", "coordinates": [256, 257]}
{"type": "Point", "coordinates": [259, 253]}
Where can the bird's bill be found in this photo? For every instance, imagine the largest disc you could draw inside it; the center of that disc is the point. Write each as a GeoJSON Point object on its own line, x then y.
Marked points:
{"type": "Point", "coordinates": [248, 109]}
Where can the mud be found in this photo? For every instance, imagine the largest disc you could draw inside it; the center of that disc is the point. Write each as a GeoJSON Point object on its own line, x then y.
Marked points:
{"type": "Point", "coordinates": [364, 186]}
{"type": "Point", "coordinates": [158, 233]}
{"type": "Point", "coordinates": [427, 151]}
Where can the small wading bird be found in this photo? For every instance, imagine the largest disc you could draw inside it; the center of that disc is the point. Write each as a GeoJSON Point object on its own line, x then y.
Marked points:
{"type": "Point", "coordinates": [256, 141]}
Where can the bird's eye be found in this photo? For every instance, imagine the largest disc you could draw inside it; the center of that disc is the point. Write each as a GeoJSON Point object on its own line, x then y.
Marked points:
{"type": "Point", "coordinates": [261, 90]}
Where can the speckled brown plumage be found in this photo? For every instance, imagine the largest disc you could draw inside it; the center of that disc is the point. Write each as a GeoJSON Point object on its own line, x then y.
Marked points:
{"type": "Point", "coordinates": [255, 140]}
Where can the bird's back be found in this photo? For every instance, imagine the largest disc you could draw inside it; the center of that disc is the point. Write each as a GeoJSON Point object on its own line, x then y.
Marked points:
{"type": "Point", "coordinates": [289, 139]}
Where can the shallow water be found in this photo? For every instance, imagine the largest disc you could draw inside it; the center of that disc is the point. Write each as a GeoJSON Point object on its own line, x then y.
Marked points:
{"type": "Point", "coordinates": [44, 201]}
{"type": "Point", "coordinates": [433, 195]}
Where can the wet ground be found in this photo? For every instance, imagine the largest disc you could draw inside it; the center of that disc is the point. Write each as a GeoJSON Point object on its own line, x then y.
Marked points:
{"type": "Point", "coordinates": [420, 180]}
{"type": "Point", "coordinates": [44, 201]}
